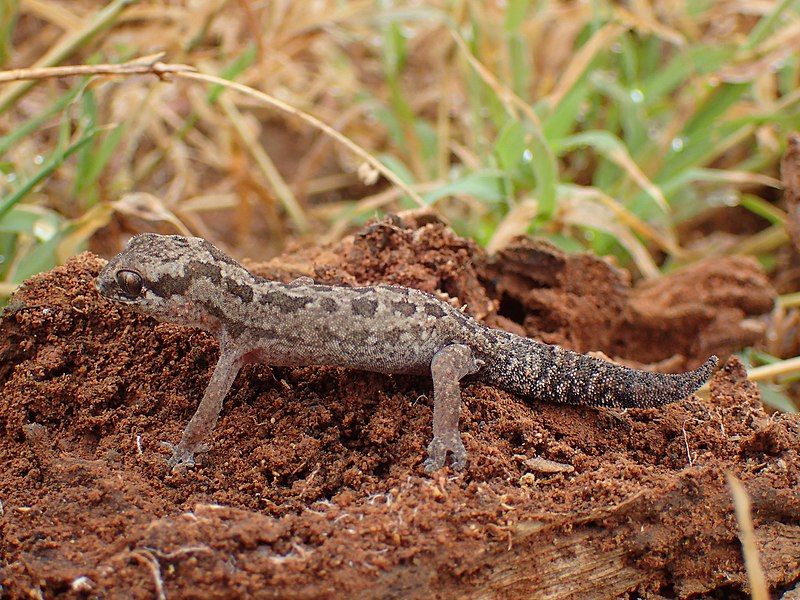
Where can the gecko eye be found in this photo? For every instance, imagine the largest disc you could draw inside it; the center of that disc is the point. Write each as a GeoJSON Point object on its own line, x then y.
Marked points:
{"type": "Point", "coordinates": [130, 282]}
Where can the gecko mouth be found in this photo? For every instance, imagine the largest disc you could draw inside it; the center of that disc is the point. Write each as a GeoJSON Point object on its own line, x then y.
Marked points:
{"type": "Point", "coordinates": [100, 286]}
{"type": "Point", "coordinates": [110, 291]}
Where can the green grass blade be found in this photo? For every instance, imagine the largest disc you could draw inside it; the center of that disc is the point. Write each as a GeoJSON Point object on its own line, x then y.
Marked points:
{"type": "Point", "coordinates": [610, 146]}
{"type": "Point", "coordinates": [101, 20]}
{"type": "Point", "coordinates": [545, 167]}
{"type": "Point", "coordinates": [702, 148]}
{"type": "Point", "coordinates": [774, 398]}
{"type": "Point", "coordinates": [763, 209]}
{"type": "Point", "coordinates": [519, 63]}
{"type": "Point", "coordinates": [47, 169]}
{"type": "Point", "coordinates": [101, 153]}
{"type": "Point", "coordinates": [717, 105]}
{"type": "Point", "coordinates": [666, 79]}
{"type": "Point", "coordinates": [395, 53]}
{"type": "Point", "coordinates": [238, 66]}
{"type": "Point", "coordinates": [562, 120]}
{"type": "Point", "coordinates": [766, 24]}
{"type": "Point", "coordinates": [34, 123]}
{"type": "Point", "coordinates": [9, 12]}
{"type": "Point", "coordinates": [35, 221]}
{"type": "Point", "coordinates": [88, 120]}
{"type": "Point", "coordinates": [510, 145]}
{"type": "Point", "coordinates": [485, 184]}
{"type": "Point", "coordinates": [8, 243]}
{"type": "Point", "coordinates": [38, 259]}
{"type": "Point", "coordinates": [398, 167]}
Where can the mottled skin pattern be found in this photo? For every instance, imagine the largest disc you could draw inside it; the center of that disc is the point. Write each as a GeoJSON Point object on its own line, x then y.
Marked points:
{"type": "Point", "coordinates": [388, 329]}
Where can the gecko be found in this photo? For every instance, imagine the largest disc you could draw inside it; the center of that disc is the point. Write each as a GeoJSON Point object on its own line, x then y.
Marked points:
{"type": "Point", "coordinates": [382, 328]}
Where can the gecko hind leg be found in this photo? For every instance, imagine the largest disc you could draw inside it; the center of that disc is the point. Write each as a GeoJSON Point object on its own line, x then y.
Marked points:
{"type": "Point", "coordinates": [448, 366]}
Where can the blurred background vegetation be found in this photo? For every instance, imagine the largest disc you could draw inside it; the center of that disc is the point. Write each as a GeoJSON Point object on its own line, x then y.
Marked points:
{"type": "Point", "coordinates": [648, 131]}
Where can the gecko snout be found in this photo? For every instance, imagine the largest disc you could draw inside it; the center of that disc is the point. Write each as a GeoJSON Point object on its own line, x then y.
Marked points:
{"type": "Point", "coordinates": [106, 284]}
{"type": "Point", "coordinates": [101, 285]}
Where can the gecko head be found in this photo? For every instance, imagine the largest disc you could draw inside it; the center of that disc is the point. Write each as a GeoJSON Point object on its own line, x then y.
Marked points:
{"type": "Point", "coordinates": [169, 277]}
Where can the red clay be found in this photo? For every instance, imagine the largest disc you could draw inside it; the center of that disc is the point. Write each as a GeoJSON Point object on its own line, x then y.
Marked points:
{"type": "Point", "coordinates": [313, 486]}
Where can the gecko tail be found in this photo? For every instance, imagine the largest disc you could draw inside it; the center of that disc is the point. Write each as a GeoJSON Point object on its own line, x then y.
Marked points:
{"type": "Point", "coordinates": [597, 382]}
{"type": "Point", "coordinates": [548, 373]}
{"type": "Point", "coordinates": [648, 389]}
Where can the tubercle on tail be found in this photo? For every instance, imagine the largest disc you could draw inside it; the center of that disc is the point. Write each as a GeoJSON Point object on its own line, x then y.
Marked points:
{"type": "Point", "coordinates": [685, 384]}
{"type": "Point", "coordinates": [623, 387]}
{"type": "Point", "coordinates": [704, 371]}
{"type": "Point", "coordinates": [550, 373]}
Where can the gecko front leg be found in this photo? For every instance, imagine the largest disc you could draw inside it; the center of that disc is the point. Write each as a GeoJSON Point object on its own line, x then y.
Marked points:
{"type": "Point", "coordinates": [448, 366]}
{"type": "Point", "coordinates": [205, 417]}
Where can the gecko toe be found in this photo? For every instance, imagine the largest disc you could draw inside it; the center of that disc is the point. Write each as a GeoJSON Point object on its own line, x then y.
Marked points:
{"type": "Point", "coordinates": [181, 456]}
{"type": "Point", "coordinates": [437, 454]}
{"type": "Point", "coordinates": [433, 464]}
{"type": "Point", "coordinates": [458, 455]}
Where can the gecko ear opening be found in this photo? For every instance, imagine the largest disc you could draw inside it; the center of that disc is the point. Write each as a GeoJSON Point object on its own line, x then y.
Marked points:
{"type": "Point", "coordinates": [130, 282]}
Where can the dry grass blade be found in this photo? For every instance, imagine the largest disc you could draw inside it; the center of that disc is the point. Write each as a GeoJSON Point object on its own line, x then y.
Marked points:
{"type": "Point", "coordinates": [582, 59]}
{"type": "Point", "coordinates": [789, 300]}
{"type": "Point", "coordinates": [503, 92]}
{"type": "Point", "coordinates": [68, 44]}
{"type": "Point", "coordinates": [373, 204]}
{"type": "Point", "coordinates": [311, 120]}
{"type": "Point", "coordinates": [744, 178]}
{"type": "Point", "coordinates": [784, 367]}
{"type": "Point", "coordinates": [53, 12]}
{"type": "Point", "coordinates": [624, 160]}
{"type": "Point", "coordinates": [755, 573]}
{"type": "Point", "coordinates": [265, 164]}
{"type": "Point", "coordinates": [630, 220]}
{"type": "Point", "coordinates": [145, 64]}
{"type": "Point", "coordinates": [579, 211]}
{"type": "Point", "coordinates": [766, 240]}
{"type": "Point", "coordinates": [648, 24]}
{"type": "Point", "coordinates": [146, 557]}
{"type": "Point", "coordinates": [515, 223]}
{"type": "Point", "coordinates": [151, 64]}
{"type": "Point", "coordinates": [82, 228]}
{"type": "Point", "coordinates": [148, 208]}
{"type": "Point", "coordinates": [789, 366]}
{"type": "Point", "coordinates": [652, 81]}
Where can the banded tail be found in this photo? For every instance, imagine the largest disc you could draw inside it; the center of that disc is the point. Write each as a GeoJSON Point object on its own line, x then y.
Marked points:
{"type": "Point", "coordinates": [540, 371]}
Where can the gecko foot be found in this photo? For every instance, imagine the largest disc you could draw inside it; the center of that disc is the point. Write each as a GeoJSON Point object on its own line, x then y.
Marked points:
{"type": "Point", "coordinates": [181, 455]}
{"type": "Point", "coordinates": [437, 453]}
